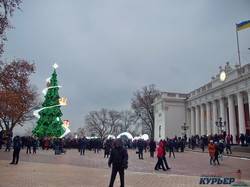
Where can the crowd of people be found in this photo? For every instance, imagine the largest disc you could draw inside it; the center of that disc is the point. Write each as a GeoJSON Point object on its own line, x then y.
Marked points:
{"type": "Point", "coordinates": [116, 150]}
{"type": "Point", "coordinates": [176, 144]}
{"type": "Point", "coordinates": [170, 145]}
{"type": "Point", "coordinates": [202, 141]}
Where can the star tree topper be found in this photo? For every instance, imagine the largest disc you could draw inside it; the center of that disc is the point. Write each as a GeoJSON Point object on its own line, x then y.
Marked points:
{"type": "Point", "coordinates": [55, 66]}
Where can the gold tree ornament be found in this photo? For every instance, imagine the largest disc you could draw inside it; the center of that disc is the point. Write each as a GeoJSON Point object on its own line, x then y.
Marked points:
{"type": "Point", "coordinates": [65, 123]}
{"type": "Point", "coordinates": [48, 84]}
{"type": "Point", "coordinates": [63, 101]}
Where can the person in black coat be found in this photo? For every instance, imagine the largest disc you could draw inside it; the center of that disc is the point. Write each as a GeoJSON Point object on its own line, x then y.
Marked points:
{"type": "Point", "coordinates": [152, 147]}
{"type": "Point", "coordinates": [242, 140]}
{"type": "Point", "coordinates": [216, 152]}
{"type": "Point", "coordinates": [34, 145]}
{"type": "Point", "coordinates": [16, 147]}
{"type": "Point", "coordinates": [119, 160]}
{"type": "Point", "coordinates": [171, 147]}
{"type": "Point", "coordinates": [140, 146]}
{"type": "Point", "coordinates": [29, 145]}
{"type": "Point", "coordinates": [221, 147]}
{"type": "Point", "coordinates": [8, 144]}
{"type": "Point", "coordinates": [107, 147]}
{"type": "Point", "coordinates": [82, 145]}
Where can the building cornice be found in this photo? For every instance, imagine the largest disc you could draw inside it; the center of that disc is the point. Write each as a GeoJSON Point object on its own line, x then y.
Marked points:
{"type": "Point", "coordinates": [221, 87]}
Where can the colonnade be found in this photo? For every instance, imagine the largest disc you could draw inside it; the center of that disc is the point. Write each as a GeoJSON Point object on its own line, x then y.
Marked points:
{"type": "Point", "coordinates": [230, 108]}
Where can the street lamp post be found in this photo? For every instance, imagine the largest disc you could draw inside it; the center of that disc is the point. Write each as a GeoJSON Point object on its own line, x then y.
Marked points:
{"type": "Point", "coordinates": [185, 128]}
{"type": "Point", "coordinates": [220, 124]}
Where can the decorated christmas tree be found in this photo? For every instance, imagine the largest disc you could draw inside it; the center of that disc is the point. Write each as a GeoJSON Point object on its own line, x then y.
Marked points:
{"type": "Point", "coordinates": [50, 123]}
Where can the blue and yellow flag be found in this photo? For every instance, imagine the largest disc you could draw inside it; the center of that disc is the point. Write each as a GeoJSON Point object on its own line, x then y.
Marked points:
{"type": "Point", "coordinates": [243, 25]}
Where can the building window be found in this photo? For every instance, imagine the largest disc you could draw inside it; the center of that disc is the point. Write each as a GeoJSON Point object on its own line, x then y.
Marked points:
{"type": "Point", "coordinates": [171, 94]}
{"type": "Point", "coordinates": [160, 131]}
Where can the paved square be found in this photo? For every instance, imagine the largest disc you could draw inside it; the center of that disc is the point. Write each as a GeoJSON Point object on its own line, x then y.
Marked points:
{"type": "Point", "coordinates": [72, 169]}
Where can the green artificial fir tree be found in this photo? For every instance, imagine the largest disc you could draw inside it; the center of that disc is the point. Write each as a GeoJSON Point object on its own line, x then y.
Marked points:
{"type": "Point", "coordinates": [50, 123]}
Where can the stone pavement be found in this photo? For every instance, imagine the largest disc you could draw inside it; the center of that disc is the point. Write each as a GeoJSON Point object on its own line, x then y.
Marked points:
{"type": "Point", "coordinates": [71, 169]}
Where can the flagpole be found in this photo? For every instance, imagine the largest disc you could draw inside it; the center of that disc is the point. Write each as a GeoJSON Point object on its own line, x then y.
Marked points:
{"type": "Point", "coordinates": [238, 45]}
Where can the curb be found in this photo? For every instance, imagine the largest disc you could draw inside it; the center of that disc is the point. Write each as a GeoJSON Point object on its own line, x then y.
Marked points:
{"type": "Point", "coordinates": [235, 156]}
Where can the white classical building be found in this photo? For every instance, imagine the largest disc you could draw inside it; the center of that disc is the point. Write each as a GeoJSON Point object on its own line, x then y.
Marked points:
{"type": "Point", "coordinates": [223, 101]}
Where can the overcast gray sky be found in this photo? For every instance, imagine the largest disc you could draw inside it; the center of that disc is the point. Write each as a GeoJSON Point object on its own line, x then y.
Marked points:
{"type": "Point", "coordinates": [108, 49]}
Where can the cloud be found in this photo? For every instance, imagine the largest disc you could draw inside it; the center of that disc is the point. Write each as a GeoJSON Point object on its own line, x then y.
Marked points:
{"type": "Point", "coordinates": [108, 49]}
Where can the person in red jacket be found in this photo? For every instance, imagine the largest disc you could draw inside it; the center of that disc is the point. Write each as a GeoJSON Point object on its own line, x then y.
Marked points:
{"type": "Point", "coordinates": [211, 150]}
{"type": "Point", "coordinates": [160, 155]}
{"type": "Point", "coordinates": [47, 142]}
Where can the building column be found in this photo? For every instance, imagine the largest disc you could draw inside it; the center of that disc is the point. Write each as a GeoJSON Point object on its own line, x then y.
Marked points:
{"type": "Point", "coordinates": [202, 120]}
{"type": "Point", "coordinates": [197, 120]}
{"type": "Point", "coordinates": [242, 126]}
{"type": "Point", "coordinates": [192, 122]}
{"type": "Point", "coordinates": [189, 122]}
{"type": "Point", "coordinates": [215, 117]}
{"type": "Point", "coordinates": [208, 111]}
{"type": "Point", "coordinates": [226, 116]}
{"type": "Point", "coordinates": [248, 95]}
{"type": "Point", "coordinates": [222, 112]}
{"type": "Point", "coordinates": [232, 120]}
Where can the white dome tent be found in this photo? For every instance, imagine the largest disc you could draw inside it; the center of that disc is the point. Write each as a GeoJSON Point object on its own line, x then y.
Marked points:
{"type": "Point", "coordinates": [111, 136]}
{"type": "Point", "coordinates": [144, 137]}
{"type": "Point", "coordinates": [127, 139]}
{"type": "Point", "coordinates": [137, 138]}
{"type": "Point", "coordinates": [127, 134]}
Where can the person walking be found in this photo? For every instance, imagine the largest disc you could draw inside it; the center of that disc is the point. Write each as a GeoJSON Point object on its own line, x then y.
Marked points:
{"type": "Point", "coordinates": [79, 144]}
{"type": "Point", "coordinates": [8, 144]}
{"type": "Point", "coordinates": [96, 145]}
{"type": "Point", "coordinates": [221, 147]}
{"type": "Point", "coordinates": [47, 144]}
{"type": "Point", "coordinates": [1, 142]}
{"type": "Point", "coordinates": [42, 141]}
{"type": "Point", "coordinates": [82, 145]}
{"type": "Point", "coordinates": [23, 142]}
{"type": "Point", "coordinates": [164, 159]}
{"type": "Point", "coordinates": [16, 147]}
{"type": "Point", "coordinates": [57, 146]}
{"type": "Point", "coordinates": [228, 145]}
{"type": "Point", "coordinates": [29, 145]}
{"type": "Point", "coordinates": [242, 140]}
{"type": "Point", "coordinates": [160, 155]}
{"type": "Point", "coordinates": [152, 147]}
{"type": "Point", "coordinates": [140, 148]}
{"type": "Point", "coordinates": [216, 155]}
{"type": "Point", "coordinates": [34, 145]}
{"type": "Point", "coordinates": [119, 160]}
{"type": "Point", "coordinates": [211, 150]}
{"type": "Point", "coordinates": [182, 144]}
{"type": "Point", "coordinates": [107, 147]}
{"type": "Point", "coordinates": [202, 144]}
{"type": "Point", "coordinates": [171, 147]}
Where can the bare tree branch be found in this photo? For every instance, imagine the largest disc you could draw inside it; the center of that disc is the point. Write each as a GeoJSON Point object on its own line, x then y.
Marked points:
{"type": "Point", "coordinates": [102, 123]}
{"type": "Point", "coordinates": [142, 102]}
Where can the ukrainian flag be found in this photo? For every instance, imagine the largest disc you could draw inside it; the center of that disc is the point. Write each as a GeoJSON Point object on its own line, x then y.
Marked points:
{"type": "Point", "coordinates": [243, 25]}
